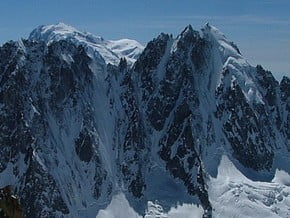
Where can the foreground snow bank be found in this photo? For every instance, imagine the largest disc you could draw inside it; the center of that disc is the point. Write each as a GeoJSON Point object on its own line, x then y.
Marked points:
{"type": "Point", "coordinates": [234, 195]}
{"type": "Point", "coordinates": [120, 208]}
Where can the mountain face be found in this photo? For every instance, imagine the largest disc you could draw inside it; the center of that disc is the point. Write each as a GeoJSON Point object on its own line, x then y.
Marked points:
{"type": "Point", "coordinates": [83, 119]}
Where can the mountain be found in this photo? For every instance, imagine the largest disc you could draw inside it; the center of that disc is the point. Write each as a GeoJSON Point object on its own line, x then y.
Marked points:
{"type": "Point", "coordinates": [109, 50]}
{"type": "Point", "coordinates": [184, 128]}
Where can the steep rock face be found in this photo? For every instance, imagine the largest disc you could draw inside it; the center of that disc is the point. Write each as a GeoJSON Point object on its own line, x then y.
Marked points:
{"type": "Point", "coordinates": [48, 126]}
{"type": "Point", "coordinates": [9, 204]}
{"type": "Point", "coordinates": [76, 130]}
{"type": "Point", "coordinates": [285, 97]}
{"type": "Point", "coordinates": [196, 94]}
{"type": "Point", "coordinates": [242, 125]}
{"type": "Point", "coordinates": [173, 111]}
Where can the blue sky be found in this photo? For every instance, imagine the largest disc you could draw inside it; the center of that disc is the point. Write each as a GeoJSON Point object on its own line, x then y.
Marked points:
{"type": "Point", "coordinates": [261, 28]}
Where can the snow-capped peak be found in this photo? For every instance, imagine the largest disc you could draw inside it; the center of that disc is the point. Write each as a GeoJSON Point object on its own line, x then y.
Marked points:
{"type": "Point", "coordinates": [110, 50]}
{"type": "Point", "coordinates": [131, 49]}
{"type": "Point", "coordinates": [210, 129]}
{"type": "Point", "coordinates": [227, 47]}
{"type": "Point", "coordinates": [188, 28]}
{"type": "Point", "coordinates": [230, 58]}
{"type": "Point", "coordinates": [61, 31]}
{"type": "Point", "coordinates": [214, 32]}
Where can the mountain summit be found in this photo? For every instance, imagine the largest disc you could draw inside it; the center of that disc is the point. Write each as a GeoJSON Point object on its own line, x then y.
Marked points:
{"type": "Point", "coordinates": [185, 127]}
{"type": "Point", "coordinates": [110, 50]}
